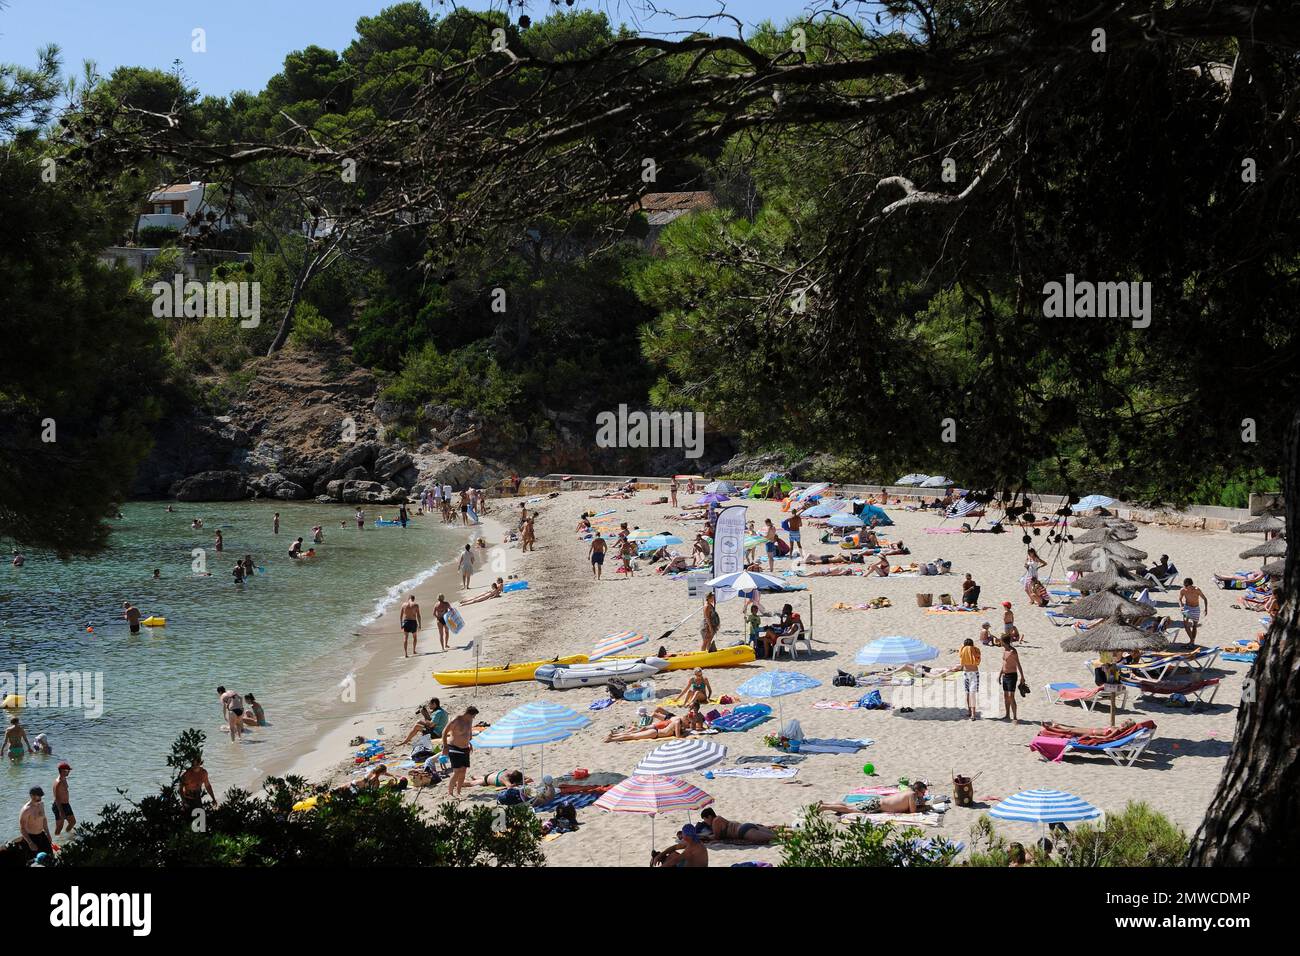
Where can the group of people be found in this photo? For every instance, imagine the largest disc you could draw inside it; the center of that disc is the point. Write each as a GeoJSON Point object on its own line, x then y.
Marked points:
{"type": "Point", "coordinates": [239, 711]}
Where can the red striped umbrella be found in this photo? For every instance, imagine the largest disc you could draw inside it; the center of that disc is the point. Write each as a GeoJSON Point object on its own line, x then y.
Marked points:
{"type": "Point", "coordinates": [652, 795]}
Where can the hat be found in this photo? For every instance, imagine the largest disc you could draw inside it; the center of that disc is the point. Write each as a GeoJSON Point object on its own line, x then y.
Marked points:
{"type": "Point", "coordinates": [642, 711]}
{"type": "Point", "coordinates": [1006, 604]}
{"type": "Point", "coordinates": [64, 765]}
{"type": "Point", "coordinates": [688, 832]}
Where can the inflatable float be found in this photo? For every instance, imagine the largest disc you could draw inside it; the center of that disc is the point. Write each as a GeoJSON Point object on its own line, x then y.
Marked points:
{"type": "Point", "coordinates": [723, 657]}
{"type": "Point", "coordinates": [453, 620]}
{"type": "Point", "coordinates": [385, 523]}
{"type": "Point", "coordinates": [154, 622]}
{"type": "Point", "coordinates": [514, 586]}
{"type": "Point", "coordinates": [563, 677]}
{"type": "Point", "coordinates": [505, 674]}
{"type": "Point", "coordinates": [13, 702]}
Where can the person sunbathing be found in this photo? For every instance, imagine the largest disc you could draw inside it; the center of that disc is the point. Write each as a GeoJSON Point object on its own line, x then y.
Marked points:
{"type": "Point", "coordinates": [673, 727]}
{"type": "Point", "coordinates": [716, 829]}
{"type": "Point", "coordinates": [911, 800]}
{"type": "Point", "coordinates": [880, 568]}
{"type": "Point", "coordinates": [698, 690]}
{"type": "Point", "coordinates": [499, 779]}
{"type": "Point", "coordinates": [498, 587]}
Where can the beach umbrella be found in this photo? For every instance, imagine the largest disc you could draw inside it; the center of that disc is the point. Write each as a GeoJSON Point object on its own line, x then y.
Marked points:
{"type": "Point", "coordinates": [640, 534]}
{"type": "Point", "coordinates": [1104, 603]}
{"type": "Point", "coordinates": [613, 643]}
{"type": "Point", "coordinates": [895, 650]}
{"type": "Point", "coordinates": [1044, 806]}
{"type": "Point", "coordinates": [912, 479]}
{"type": "Point", "coordinates": [658, 541]}
{"type": "Point", "coordinates": [1092, 501]}
{"type": "Point", "coordinates": [1113, 548]}
{"type": "Point", "coordinates": [1269, 521]}
{"type": "Point", "coordinates": [1110, 578]}
{"type": "Point", "coordinates": [748, 581]}
{"type": "Point", "coordinates": [753, 541]}
{"type": "Point", "coordinates": [812, 491]}
{"type": "Point", "coordinates": [720, 487]}
{"type": "Point", "coordinates": [1104, 562]}
{"type": "Point", "coordinates": [825, 509]}
{"type": "Point", "coordinates": [777, 684]}
{"type": "Point", "coordinates": [936, 481]}
{"type": "Point", "coordinates": [713, 498]}
{"type": "Point", "coordinates": [1272, 548]}
{"type": "Point", "coordinates": [1114, 634]}
{"type": "Point", "coordinates": [534, 724]}
{"type": "Point", "coordinates": [1275, 568]}
{"type": "Point", "coordinates": [681, 756]}
{"type": "Point", "coordinates": [652, 795]}
{"type": "Point", "coordinates": [845, 521]}
{"type": "Point", "coordinates": [1098, 535]}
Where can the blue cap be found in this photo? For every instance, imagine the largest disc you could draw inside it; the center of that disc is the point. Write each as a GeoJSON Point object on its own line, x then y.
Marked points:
{"type": "Point", "coordinates": [688, 832]}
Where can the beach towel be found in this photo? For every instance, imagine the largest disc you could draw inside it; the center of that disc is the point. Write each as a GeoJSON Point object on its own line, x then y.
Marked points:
{"type": "Point", "coordinates": [956, 609]}
{"type": "Point", "coordinates": [884, 791]}
{"type": "Point", "coordinates": [601, 704]}
{"type": "Point", "coordinates": [753, 773]}
{"type": "Point", "coordinates": [1247, 658]}
{"type": "Point", "coordinates": [575, 800]}
{"type": "Point", "coordinates": [781, 759]}
{"type": "Point", "coordinates": [836, 705]}
{"type": "Point", "coordinates": [899, 819]}
{"type": "Point", "coordinates": [833, 745]}
{"type": "Point", "coordinates": [943, 531]}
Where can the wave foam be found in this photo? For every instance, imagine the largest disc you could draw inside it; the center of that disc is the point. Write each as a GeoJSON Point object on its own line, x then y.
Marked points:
{"type": "Point", "coordinates": [394, 594]}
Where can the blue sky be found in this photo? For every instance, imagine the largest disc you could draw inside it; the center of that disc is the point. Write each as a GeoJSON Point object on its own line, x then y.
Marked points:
{"type": "Point", "coordinates": [248, 39]}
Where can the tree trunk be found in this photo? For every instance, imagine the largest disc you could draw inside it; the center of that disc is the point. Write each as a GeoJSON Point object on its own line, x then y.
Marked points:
{"type": "Point", "coordinates": [1254, 818]}
{"type": "Point", "coordinates": [286, 320]}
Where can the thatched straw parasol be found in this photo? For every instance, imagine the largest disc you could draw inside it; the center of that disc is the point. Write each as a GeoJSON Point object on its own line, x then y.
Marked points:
{"type": "Point", "coordinates": [1275, 568]}
{"type": "Point", "coordinates": [1108, 563]}
{"type": "Point", "coordinates": [1272, 548]}
{"type": "Point", "coordinates": [1105, 603]}
{"type": "Point", "coordinates": [1111, 548]}
{"type": "Point", "coordinates": [1097, 535]}
{"type": "Point", "coordinates": [1269, 521]}
{"type": "Point", "coordinates": [1103, 521]}
{"type": "Point", "coordinates": [1115, 634]}
{"type": "Point", "coordinates": [1110, 578]}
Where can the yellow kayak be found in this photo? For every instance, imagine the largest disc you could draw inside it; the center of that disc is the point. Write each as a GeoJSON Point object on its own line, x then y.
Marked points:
{"type": "Point", "coordinates": [726, 657]}
{"type": "Point", "coordinates": [501, 675]}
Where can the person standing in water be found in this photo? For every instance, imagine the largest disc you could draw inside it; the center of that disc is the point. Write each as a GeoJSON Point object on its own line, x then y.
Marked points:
{"type": "Point", "coordinates": [15, 740]}
{"type": "Point", "coordinates": [295, 549]}
{"type": "Point", "coordinates": [232, 711]}
{"type": "Point", "coordinates": [220, 542]}
{"type": "Point", "coordinates": [411, 623]}
{"type": "Point", "coordinates": [440, 616]}
{"type": "Point", "coordinates": [63, 815]}
{"type": "Point", "coordinates": [361, 520]}
{"type": "Point", "coordinates": [402, 515]}
{"type": "Point", "coordinates": [33, 825]}
{"type": "Point", "coordinates": [275, 523]}
{"type": "Point", "coordinates": [132, 615]}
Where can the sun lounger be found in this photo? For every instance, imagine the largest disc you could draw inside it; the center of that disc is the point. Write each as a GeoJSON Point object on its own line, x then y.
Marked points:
{"type": "Point", "coordinates": [1124, 751]}
{"type": "Point", "coordinates": [743, 718]}
{"type": "Point", "coordinates": [1193, 688]}
{"type": "Point", "coordinates": [1238, 580]}
{"type": "Point", "coordinates": [1066, 692]}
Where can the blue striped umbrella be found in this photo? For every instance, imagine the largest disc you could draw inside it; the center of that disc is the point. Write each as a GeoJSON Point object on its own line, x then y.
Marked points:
{"type": "Point", "coordinates": [1044, 806]}
{"type": "Point", "coordinates": [613, 643]}
{"type": "Point", "coordinates": [748, 581]}
{"type": "Point", "coordinates": [681, 756]}
{"type": "Point", "coordinates": [1092, 501]}
{"type": "Point", "coordinates": [845, 521]}
{"type": "Point", "coordinates": [532, 724]}
{"type": "Point", "coordinates": [712, 498]}
{"type": "Point", "coordinates": [777, 684]}
{"type": "Point", "coordinates": [658, 541]}
{"type": "Point", "coordinates": [896, 650]}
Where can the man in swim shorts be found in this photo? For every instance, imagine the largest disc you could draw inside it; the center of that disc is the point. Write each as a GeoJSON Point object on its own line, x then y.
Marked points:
{"type": "Point", "coordinates": [1190, 599]}
{"type": "Point", "coordinates": [63, 814]}
{"type": "Point", "coordinates": [193, 783]}
{"type": "Point", "coordinates": [456, 745]}
{"type": "Point", "coordinates": [132, 615]}
{"type": "Point", "coordinates": [911, 800]}
{"type": "Point", "coordinates": [33, 826]}
{"type": "Point", "coordinates": [597, 554]}
{"type": "Point", "coordinates": [411, 622]}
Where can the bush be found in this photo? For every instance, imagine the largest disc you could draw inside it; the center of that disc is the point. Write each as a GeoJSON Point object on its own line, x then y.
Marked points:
{"type": "Point", "coordinates": [311, 330]}
{"type": "Point", "coordinates": [153, 236]}
{"type": "Point", "coordinates": [1137, 836]}
{"type": "Point", "coordinates": [823, 841]}
{"type": "Point", "coordinates": [371, 828]}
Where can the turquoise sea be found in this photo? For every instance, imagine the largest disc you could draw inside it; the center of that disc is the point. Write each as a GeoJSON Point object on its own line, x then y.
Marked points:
{"type": "Point", "coordinates": [288, 636]}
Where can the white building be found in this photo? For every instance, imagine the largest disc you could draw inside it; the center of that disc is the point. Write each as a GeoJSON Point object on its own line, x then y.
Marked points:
{"type": "Point", "coordinates": [170, 207]}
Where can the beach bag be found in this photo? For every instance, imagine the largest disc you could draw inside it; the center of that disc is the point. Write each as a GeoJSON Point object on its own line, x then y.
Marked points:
{"type": "Point", "coordinates": [871, 700]}
{"type": "Point", "coordinates": [785, 524]}
{"type": "Point", "coordinates": [617, 687]}
{"type": "Point", "coordinates": [843, 679]}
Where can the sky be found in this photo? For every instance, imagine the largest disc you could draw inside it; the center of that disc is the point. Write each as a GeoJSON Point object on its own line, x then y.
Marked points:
{"type": "Point", "coordinates": [247, 39]}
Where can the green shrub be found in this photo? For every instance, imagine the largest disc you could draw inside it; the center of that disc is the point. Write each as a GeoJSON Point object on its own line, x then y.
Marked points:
{"type": "Point", "coordinates": [370, 828]}
{"type": "Point", "coordinates": [153, 236]}
{"type": "Point", "coordinates": [311, 330]}
{"type": "Point", "coordinates": [1137, 836]}
{"type": "Point", "coordinates": [823, 841]}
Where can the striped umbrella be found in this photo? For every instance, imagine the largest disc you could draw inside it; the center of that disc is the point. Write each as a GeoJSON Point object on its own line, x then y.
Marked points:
{"type": "Point", "coordinates": [812, 491]}
{"type": "Point", "coordinates": [777, 684]}
{"type": "Point", "coordinates": [658, 541]}
{"type": "Point", "coordinates": [640, 534]}
{"type": "Point", "coordinates": [532, 724]}
{"type": "Point", "coordinates": [1044, 806]}
{"type": "Point", "coordinates": [896, 650]}
{"type": "Point", "coordinates": [682, 756]}
{"type": "Point", "coordinates": [652, 795]}
{"type": "Point", "coordinates": [712, 498]}
{"type": "Point", "coordinates": [1090, 502]}
{"type": "Point", "coordinates": [845, 521]}
{"type": "Point", "coordinates": [748, 581]}
{"type": "Point", "coordinates": [613, 643]}
{"type": "Point", "coordinates": [825, 509]}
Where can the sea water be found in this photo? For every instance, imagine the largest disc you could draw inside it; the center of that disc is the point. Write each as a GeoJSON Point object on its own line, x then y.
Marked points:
{"type": "Point", "coordinates": [288, 635]}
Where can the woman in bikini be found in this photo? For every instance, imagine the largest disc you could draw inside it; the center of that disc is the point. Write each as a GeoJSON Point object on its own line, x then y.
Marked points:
{"type": "Point", "coordinates": [697, 690]}
{"type": "Point", "coordinates": [673, 727]}
{"type": "Point", "coordinates": [498, 779]}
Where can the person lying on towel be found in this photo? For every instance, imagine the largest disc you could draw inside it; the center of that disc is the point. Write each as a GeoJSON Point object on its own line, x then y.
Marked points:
{"type": "Point", "coordinates": [911, 800]}
{"type": "Point", "coordinates": [714, 828]}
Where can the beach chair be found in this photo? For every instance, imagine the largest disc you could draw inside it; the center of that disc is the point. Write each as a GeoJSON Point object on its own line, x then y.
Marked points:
{"type": "Point", "coordinates": [1067, 692]}
{"type": "Point", "coordinates": [1190, 688]}
{"type": "Point", "coordinates": [1165, 583]}
{"type": "Point", "coordinates": [1124, 751]}
{"type": "Point", "coordinates": [787, 643]}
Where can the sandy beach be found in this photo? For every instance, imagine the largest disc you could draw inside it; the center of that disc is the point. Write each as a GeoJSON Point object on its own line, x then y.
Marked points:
{"type": "Point", "coordinates": [564, 610]}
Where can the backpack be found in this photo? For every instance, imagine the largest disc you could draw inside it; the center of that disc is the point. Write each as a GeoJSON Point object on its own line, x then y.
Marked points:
{"type": "Point", "coordinates": [871, 700]}
{"type": "Point", "coordinates": [617, 687]}
{"type": "Point", "coordinates": [844, 679]}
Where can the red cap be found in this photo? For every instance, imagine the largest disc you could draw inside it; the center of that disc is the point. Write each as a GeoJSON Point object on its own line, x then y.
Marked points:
{"type": "Point", "coordinates": [64, 765]}
{"type": "Point", "coordinates": [1006, 604]}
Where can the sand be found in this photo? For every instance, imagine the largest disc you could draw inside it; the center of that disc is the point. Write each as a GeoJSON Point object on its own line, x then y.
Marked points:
{"type": "Point", "coordinates": [565, 610]}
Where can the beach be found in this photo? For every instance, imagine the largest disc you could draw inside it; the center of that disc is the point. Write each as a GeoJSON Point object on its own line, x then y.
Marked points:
{"type": "Point", "coordinates": [564, 610]}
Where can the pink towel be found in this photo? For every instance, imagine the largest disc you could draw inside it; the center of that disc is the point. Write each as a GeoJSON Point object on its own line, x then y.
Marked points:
{"type": "Point", "coordinates": [1051, 748]}
{"type": "Point", "coordinates": [1078, 693]}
